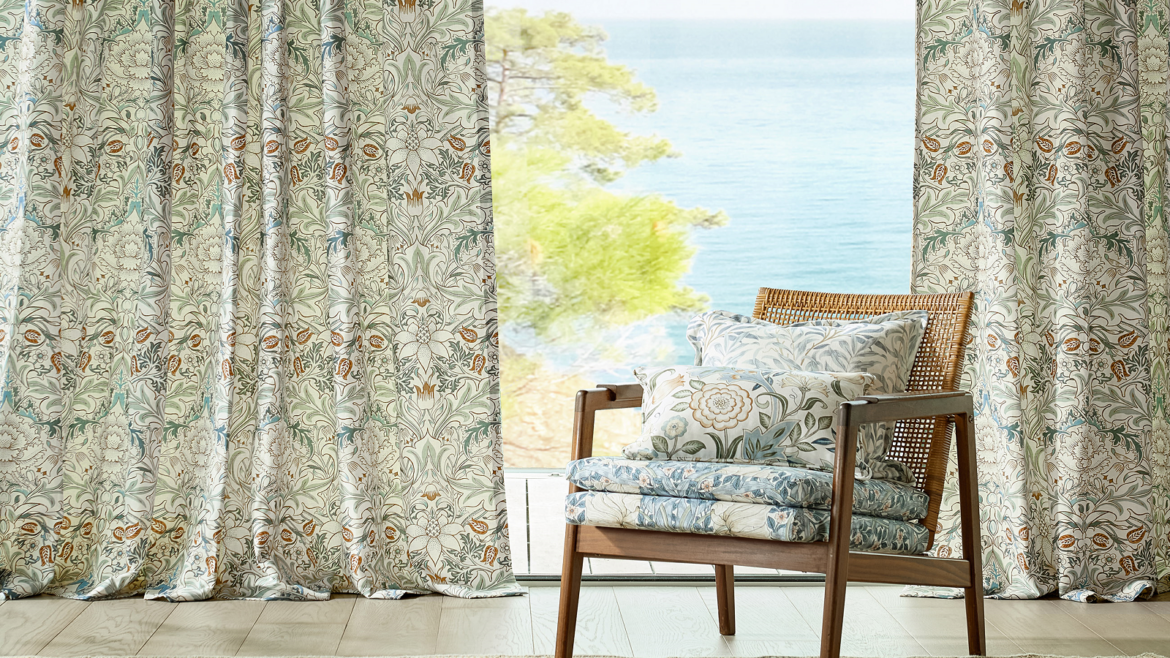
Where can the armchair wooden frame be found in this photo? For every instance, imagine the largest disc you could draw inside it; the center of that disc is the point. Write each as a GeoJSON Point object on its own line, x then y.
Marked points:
{"type": "Point", "coordinates": [924, 417]}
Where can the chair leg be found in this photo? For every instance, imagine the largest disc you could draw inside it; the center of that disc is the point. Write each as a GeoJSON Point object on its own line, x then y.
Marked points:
{"type": "Point", "coordinates": [570, 594]}
{"type": "Point", "coordinates": [969, 524]}
{"type": "Point", "coordinates": [725, 595]}
{"type": "Point", "coordinates": [834, 615]}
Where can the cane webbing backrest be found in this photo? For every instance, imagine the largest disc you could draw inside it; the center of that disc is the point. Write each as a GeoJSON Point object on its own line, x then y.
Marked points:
{"type": "Point", "coordinates": [922, 443]}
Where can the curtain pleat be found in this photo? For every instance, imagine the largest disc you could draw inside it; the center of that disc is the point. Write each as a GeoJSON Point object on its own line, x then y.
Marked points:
{"type": "Point", "coordinates": [1039, 185]}
{"type": "Point", "coordinates": [248, 312]}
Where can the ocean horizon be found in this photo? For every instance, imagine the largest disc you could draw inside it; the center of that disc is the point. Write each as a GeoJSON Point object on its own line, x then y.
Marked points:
{"type": "Point", "coordinates": [801, 131]}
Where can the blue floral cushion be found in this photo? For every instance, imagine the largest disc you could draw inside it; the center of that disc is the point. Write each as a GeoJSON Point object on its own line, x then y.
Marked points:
{"type": "Point", "coordinates": [744, 483]}
{"type": "Point", "coordinates": [752, 520]}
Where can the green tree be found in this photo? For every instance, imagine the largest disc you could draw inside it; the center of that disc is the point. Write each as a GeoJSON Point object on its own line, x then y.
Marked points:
{"type": "Point", "coordinates": [574, 256]}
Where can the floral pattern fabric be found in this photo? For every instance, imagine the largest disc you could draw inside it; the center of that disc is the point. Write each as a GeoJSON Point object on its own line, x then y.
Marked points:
{"type": "Point", "coordinates": [744, 483]}
{"type": "Point", "coordinates": [884, 346]}
{"type": "Point", "coordinates": [692, 413]}
{"type": "Point", "coordinates": [247, 310]}
{"type": "Point", "coordinates": [729, 519]}
{"type": "Point", "coordinates": [1040, 184]}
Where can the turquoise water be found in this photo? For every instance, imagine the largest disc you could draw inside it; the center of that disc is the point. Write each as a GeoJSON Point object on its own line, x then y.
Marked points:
{"type": "Point", "coordinates": [803, 132]}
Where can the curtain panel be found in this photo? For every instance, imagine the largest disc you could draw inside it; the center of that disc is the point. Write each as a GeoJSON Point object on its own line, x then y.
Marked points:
{"type": "Point", "coordinates": [248, 322]}
{"type": "Point", "coordinates": [1040, 183]}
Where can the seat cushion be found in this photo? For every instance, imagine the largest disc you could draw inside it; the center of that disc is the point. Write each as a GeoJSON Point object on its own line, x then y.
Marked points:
{"type": "Point", "coordinates": [728, 519]}
{"type": "Point", "coordinates": [744, 483]}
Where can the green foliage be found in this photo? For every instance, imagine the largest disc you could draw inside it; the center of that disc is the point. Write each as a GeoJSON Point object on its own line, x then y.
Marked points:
{"type": "Point", "coordinates": [574, 256]}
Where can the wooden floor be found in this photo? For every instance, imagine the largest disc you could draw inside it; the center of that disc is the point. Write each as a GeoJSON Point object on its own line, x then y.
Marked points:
{"type": "Point", "coordinates": [619, 620]}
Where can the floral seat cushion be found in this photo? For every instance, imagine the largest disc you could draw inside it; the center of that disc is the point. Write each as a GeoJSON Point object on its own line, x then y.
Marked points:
{"type": "Point", "coordinates": [731, 519]}
{"type": "Point", "coordinates": [785, 486]}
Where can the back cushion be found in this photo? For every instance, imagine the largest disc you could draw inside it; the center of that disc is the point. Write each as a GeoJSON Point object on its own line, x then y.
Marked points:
{"type": "Point", "coordinates": [883, 346]}
{"type": "Point", "coordinates": [698, 413]}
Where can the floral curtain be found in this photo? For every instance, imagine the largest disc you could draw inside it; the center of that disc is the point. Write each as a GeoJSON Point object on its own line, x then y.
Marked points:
{"type": "Point", "coordinates": [248, 322]}
{"type": "Point", "coordinates": [1040, 183]}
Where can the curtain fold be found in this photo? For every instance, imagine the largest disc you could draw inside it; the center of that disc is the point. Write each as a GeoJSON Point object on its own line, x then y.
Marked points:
{"type": "Point", "coordinates": [1039, 184]}
{"type": "Point", "coordinates": [248, 319]}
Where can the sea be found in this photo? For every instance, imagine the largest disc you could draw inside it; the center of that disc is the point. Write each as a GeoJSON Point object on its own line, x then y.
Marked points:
{"type": "Point", "coordinates": [801, 131]}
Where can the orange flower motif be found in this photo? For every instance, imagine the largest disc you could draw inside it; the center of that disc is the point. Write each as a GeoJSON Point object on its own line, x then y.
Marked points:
{"type": "Point", "coordinates": [1119, 145]}
{"type": "Point", "coordinates": [1136, 535]}
{"type": "Point", "coordinates": [66, 551]}
{"type": "Point", "coordinates": [1129, 564]}
{"type": "Point", "coordinates": [477, 363]}
{"type": "Point", "coordinates": [270, 342]}
{"type": "Point", "coordinates": [1066, 541]}
{"type": "Point", "coordinates": [37, 140]}
{"type": "Point", "coordinates": [1112, 176]}
{"type": "Point", "coordinates": [343, 368]}
{"type": "Point", "coordinates": [298, 366]}
{"type": "Point", "coordinates": [33, 336]}
{"type": "Point", "coordinates": [57, 360]}
{"type": "Point", "coordinates": [1072, 344]}
{"type": "Point", "coordinates": [286, 535]}
{"type": "Point", "coordinates": [178, 171]}
{"type": "Point", "coordinates": [468, 334]}
{"type": "Point", "coordinates": [377, 342]}
{"type": "Point", "coordinates": [347, 534]}
{"type": "Point", "coordinates": [237, 143]}
{"type": "Point", "coordinates": [1072, 148]}
{"type": "Point", "coordinates": [963, 148]}
{"type": "Point", "coordinates": [46, 553]}
{"type": "Point", "coordinates": [490, 553]}
{"type": "Point", "coordinates": [271, 147]}
{"type": "Point", "coordinates": [1050, 177]}
{"type": "Point", "coordinates": [1119, 370]}
{"type": "Point", "coordinates": [1101, 540]}
{"type": "Point", "coordinates": [370, 151]}
{"type": "Point", "coordinates": [477, 526]}
{"type": "Point", "coordinates": [1007, 169]}
{"type": "Point", "coordinates": [330, 144]}
{"type": "Point", "coordinates": [1127, 340]}
{"type": "Point", "coordinates": [309, 527]}
{"type": "Point", "coordinates": [30, 527]}
{"type": "Point", "coordinates": [158, 526]}
{"type": "Point", "coordinates": [992, 341]}
{"type": "Point", "coordinates": [173, 363]}
{"type": "Point", "coordinates": [456, 143]}
{"type": "Point", "coordinates": [467, 171]}
{"type": "Point", "coordinates": [1044, 144]}
{"type": "Point", "coordinates": [1013, 365]}
{"type": "Point", "coordinates": [930, 144]}
{"type": "Point", "coordinates": [301, 145]}
{"type": "Point", "coordinates": [114, 147]}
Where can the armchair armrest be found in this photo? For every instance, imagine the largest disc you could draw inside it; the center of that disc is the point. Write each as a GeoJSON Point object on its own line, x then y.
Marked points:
{"type": "Point", "coordinates": [902, 406]}
{"type": "Point", "coordinates": [592, 400]}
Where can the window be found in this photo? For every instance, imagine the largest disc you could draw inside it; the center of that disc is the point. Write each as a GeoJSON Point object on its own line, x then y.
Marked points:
{"type": "Point", "coordinates": [652, 159]}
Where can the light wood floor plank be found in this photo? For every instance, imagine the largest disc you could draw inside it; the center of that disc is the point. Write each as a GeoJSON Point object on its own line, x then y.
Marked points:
{"type": "Point", "coordinates": [1043, 627]}
{"type": "Point", "coordinates": [669, 621]}
{"type": "Point", "coordinates": [110, 628]}
{"type": "Point", "coordinates": [939, 625]}
{"type": "Point", "coordinates": [546, 523]}
{"type": "Point", "coordinates": [299, 628]}
{"type": "Point", "coordinates": [500, 626]}
{"type": "Point", "coordinates": [600, 631]}
{"type": "Point", "coordinates": [27, 625]}
{"type": "Point", "coordinates": [516, 496]}
{"type": "Point", "coordinates": [408, 627]}
{"type": "Point", "coordinates": [1131, 627]}
{"type": "Point", "coordinates": [869, 630]}
{"type": "Point", "coordinates": [204, 628]}
{"type": "Point", "coordinates": [766, 623]}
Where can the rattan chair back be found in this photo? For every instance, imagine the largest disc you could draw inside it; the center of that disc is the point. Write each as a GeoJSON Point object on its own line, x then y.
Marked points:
{"type": "Point", "coordinates": [923, 443]}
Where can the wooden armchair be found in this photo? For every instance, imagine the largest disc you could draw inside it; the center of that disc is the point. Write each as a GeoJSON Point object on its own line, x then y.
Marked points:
{"type": "Point", "coordinates": [924, 417]}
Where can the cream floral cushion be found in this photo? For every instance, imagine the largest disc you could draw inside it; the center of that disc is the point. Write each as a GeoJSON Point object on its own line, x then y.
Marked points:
{"type": "Point", "coordinates": [884, 346]}
{"type": "Point", "coordinates": [696, 413]}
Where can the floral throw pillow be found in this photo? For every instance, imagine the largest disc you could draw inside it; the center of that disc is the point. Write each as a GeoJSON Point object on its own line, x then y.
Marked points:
{"type": "Point", "coordinates": [694, 413]}
{"type": "Point", "coordinates": [884, 346]}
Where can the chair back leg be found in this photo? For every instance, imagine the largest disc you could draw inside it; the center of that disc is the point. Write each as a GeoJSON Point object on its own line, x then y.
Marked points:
{"type": "Point", "coordinates": [570, 594]}
{"type": "Point", "coordinates": [969, 524]}
{"type": "Point", "coordinates": [725, 595]}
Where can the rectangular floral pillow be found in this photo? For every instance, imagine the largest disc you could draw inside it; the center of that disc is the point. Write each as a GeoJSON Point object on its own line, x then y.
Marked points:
{"type": "Point", "coordinates": [884, 346]}
{"type": "Point", "coordinates": [695, 413]}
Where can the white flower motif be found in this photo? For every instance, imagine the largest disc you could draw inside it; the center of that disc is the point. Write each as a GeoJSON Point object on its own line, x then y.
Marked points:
{"type": "Point", "coordinates": [675, 427]}
{"type": "Point", "coordinates": [423, 340]}
{"type": "Point", "coordinates": [721, 406]}
{"type": "Point", "coordinates": [128, 63]}
{"type": "Point", "coordinates": [1152, 56]}
{"type": "Point", "coordinates": [112, 438]}
{"type": "Point", "coordinates": [15, 434]}
{"type": "Point", "coordinates": [433, 531]}
{"type": "Point", "coordinates": [362, 59]}
{"type": "Point", "coordinates": [975, 59]}
{"type": "Point", "coordinates": [206, 59]}
{"type": "Point", "coordinates": [206, 249]}
{"type": "Point", "coordinates": [413, 148]}
{"type": "Point", "coordinates": [197, 443]}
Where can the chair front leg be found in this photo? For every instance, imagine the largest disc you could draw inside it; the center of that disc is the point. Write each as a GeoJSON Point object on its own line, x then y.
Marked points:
{"type": "Point", "coordinates": [570, 594]}
{"type": "Point", "coordinates": [725, 596]}
{"type": "Point", "coordinates": [840, 532]}
{"type": "Point", "coordinates": [969, 524]}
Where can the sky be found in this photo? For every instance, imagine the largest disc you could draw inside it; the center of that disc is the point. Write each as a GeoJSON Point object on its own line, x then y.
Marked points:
{"type": "Point", "coordinates": [900, 10]}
